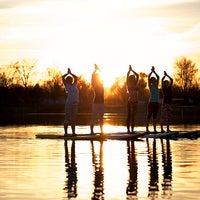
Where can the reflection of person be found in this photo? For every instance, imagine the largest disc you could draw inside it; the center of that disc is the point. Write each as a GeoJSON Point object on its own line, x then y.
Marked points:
{"type": "Point", "coordinates": [98, 101]}
{"type": "Point", "coordinates": [132, 162]}
{"type": "Point", "coordinates": [97, 160]}
{"type": "Point", "coordinates": [166, 108]}
{"type": "Point", "coordinates": [167, 164]}
{"type": "Point", "coordinates": [132, 106]}
{"type": "Point", "coordinates": [153, 104]}
{"type": "Point", "coordinates": [153, 163]}
{"type": "Point", "coordinates": [71, 169]}
{"type": "Point", "coordinates": [71, 105]}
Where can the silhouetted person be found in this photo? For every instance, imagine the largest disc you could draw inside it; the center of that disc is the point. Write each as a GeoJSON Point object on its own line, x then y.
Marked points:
{"type": "Point", "coordinates": [71, 170]}
{"type": "Point", "coordinates": [132, 79]}
{"type": "Point", "coordinates": [131, 189]}
{"type": "Point", "coordinates": [97, 160]}
{"type": "Point", "coordinates": [98, 101]}
{"type": "Point", "coordinates": [166, 107]}
{"type": "Point", "coordinates": [153, 104]}
{"type": "Point", "coordinates": [71, 104]}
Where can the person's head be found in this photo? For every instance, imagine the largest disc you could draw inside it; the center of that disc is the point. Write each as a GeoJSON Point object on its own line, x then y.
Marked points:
{"type": "Point", "coordinates": [132, 79]}
{"type": "Point", "coordinates": [166, 83]}
{"type": "Point", "coordinates": [69, 80]}
{"type": "Point", "coordinates": [153, 80]}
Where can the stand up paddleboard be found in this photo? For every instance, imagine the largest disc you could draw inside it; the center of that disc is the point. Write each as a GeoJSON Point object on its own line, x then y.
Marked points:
{"type": "Point", "coordinates": [72, 137]}
{"type": "Point", "coordinates": [166, 135]}
{"type": "Point", "coordinates": [187, 134]}
{"type": "Point", "coordinates": [174, 135]}
{"type": "Point", "coordinates": [109, 136]}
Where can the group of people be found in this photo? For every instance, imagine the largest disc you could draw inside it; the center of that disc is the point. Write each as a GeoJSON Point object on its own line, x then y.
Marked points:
{"type": "Point", "coordinates": [132, 80]}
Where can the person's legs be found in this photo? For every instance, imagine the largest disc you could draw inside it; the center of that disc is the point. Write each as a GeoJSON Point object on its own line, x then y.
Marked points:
{"type": "Point", "coordinates": [168, 116]}
{"type": "Point", "coordinates": [162, 118]}
{"type": "Point", "coordinates": [74, 111]}
{"type": "Point", "coordinates": [128, 117]}
{"type": "Point", "coordinates": [93, 118]}
{"type": "Point", "coordinates": [134, 107]}
{"type": "Point", "coordinates": [154, 125]}
{"type": "Point", "coordinates": [101, 114]}
{"type": "Point", "coordinates": [155, 113]}
{"type": "Point", "coordinates": [65, 127]}
{"type": "Point", "coordinates": [149, 114]}
{"type": "Point", "coordinates": [67, 118]}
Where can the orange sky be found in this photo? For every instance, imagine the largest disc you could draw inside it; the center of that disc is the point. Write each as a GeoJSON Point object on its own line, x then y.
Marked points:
{"type": "Point", "coordinates": [111, 33]}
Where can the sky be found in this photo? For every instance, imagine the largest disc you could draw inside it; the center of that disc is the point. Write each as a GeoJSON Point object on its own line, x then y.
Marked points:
{"type": "Point", "coordinates": [110, 33]}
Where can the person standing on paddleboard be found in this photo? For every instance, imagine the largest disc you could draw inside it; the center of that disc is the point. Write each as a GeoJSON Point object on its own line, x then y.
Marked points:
{"type": "Point", "coordinates": [166, 107]}
{"type": "Point", "coordinates": [132, 105]}
{"type": "Point", "coordinates": [71, 104]}
{"type": "Point", "coordinates": [153, 105]}
{"type": "Point", "coordinates": [98, 101]}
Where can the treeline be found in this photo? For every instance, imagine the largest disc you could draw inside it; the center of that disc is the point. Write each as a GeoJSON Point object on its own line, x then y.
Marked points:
{"type": "Point", "coordinates": [18, 92]}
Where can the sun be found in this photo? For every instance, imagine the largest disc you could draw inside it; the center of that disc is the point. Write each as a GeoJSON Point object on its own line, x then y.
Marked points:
{"type": "Point", "coordinates": [108, 80]}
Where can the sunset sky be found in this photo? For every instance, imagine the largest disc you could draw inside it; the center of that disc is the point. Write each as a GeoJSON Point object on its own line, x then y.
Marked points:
{"type": "Point", "coordinates": [111, 33]}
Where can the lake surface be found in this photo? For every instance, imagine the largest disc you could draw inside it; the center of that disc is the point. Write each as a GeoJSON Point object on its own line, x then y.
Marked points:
{"type": "Point", "coordinates": [56, 169]}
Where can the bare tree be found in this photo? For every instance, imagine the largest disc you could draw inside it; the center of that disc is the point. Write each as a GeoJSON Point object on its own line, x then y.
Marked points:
{"type": "Point", "coordinates": [54, 77]}
{"type": "Point", "coordinates": [185, 73]}
{"type": "Point", "coordinates": [6, 76]}
{"type": "Point", "coordinates": [53, 84]}
{"type": "Point", "coordinates": [23, 69]}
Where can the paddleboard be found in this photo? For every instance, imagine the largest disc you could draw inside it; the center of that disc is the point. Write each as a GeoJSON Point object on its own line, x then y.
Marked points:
{"type": "Point", "coordinates": [165, 135]}
{"type": "Point", "coordinates": [110, 136]}
{"type": "Point", "coordinates": [187, 134]}
{"type": "Point", "coordinates": [125, 136]}
{"type": "Point", "coordinates": [71, 137]}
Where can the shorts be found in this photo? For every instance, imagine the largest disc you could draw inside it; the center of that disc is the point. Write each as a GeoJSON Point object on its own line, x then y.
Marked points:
{"type": "Point", "coordinates": [152, 110]}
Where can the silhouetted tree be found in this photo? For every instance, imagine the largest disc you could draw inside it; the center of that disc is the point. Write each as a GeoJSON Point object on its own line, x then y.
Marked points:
{"type": "Point", "coordinates": [185, 73]}
{"type": "Point", "coordinates": [85, 94]}
{"type": "Point", "coordinates": [53, 84]}
{"type": "Point", "coordinates": [143, 91]}
{"type": "Point", "coordinates": [118, 91]}
{"type": "Point", "coordinates": [7, 74]}
{"type": "Point", "coordinates": [23, 69]}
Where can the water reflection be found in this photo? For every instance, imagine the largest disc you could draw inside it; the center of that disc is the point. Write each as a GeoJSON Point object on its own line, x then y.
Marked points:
{"type": "Point", "coordinates": [153, 164]}
{"type": "Point", "coordinates": [154, 169]}
{"type": "Point", "coordinates": [131, 189]}
{"type": "Point", "coordinates": [97, 160]}
{"type": "Point", "coordinates": [71, 170]}
{"type": "Point", "coordinates": [167, 166]}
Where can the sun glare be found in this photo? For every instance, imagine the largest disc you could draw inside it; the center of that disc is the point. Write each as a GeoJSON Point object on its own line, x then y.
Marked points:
{"type": "Point", "coordinates": [108, 80]}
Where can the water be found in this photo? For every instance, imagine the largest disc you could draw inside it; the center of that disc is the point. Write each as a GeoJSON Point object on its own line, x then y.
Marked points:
{"type": "Point", "coordinates": [53, 169]}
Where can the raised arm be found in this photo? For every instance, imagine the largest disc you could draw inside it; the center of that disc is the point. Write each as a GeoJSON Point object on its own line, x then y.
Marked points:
{"type": "Point", "coordinates": [74, 77]}
{"type": "Point", "coordinates": [149, 77]}
{"type": "Point", "coordinates": [128, 73]}
{"type": "Point", "coordinates": [69, 73]}
{"type": "Point", "coordinates": [170, 78]}
{"type": "Point", "coordinates": [135, 73]}
{"type": "Point", "coordinates": [157, 76]}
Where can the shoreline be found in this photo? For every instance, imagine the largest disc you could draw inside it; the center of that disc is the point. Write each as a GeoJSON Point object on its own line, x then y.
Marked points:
{"type": "Point", "coordinates": [181, 115]}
